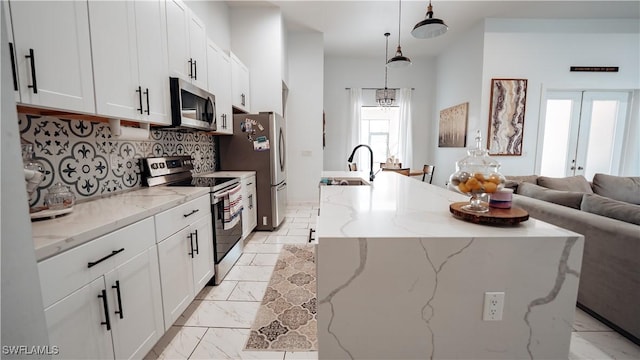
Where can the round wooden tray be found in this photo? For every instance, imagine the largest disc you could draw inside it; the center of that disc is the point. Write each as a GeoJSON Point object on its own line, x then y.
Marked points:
{"type": "Point", "coordinates": [494, 216]}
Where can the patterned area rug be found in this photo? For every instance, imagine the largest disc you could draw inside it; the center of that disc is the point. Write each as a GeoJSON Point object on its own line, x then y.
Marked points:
{"type": "Point", "coordinates": [286, 320]}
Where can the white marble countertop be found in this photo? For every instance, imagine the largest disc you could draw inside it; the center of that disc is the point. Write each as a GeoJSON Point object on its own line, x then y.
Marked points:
{"type": "Point", "coordinates": [402, 207]}
{"type": "Point", "coordinates": [95, 218]}
{"type": "Point", "coordinates": [240, 174]}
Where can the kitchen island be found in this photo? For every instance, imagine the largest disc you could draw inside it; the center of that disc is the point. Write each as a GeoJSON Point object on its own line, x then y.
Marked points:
{"type": "Point", "coordinates": [400, 278]}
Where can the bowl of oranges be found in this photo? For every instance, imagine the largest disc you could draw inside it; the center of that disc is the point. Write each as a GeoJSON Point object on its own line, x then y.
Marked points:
{"type": "Point", "coordinates": [478, 176]}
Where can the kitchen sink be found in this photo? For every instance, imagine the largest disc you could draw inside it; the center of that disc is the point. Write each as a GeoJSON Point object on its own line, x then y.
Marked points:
{"type": "Point", "coordinates": [343, 182]}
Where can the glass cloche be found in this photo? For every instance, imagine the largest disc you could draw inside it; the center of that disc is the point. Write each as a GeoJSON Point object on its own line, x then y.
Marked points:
{"type": "Point", "coordinates": [477, 175]}
{"type": "Point", "coordinates": [59, 197]}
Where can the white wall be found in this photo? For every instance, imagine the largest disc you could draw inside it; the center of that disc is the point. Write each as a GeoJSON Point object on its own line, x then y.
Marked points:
{"type": "Point", "coordinates": [215, 15]}
{"type": "Point", "coordinates": [256, 38]}
{"type": "Point", "coordinates": [459, 80]}
{"type": "Point", "coordinates": [542, 52]}
{"type": "Point", "coordinates": [631, 164]}
{"type": "Point", "coordinates": [341, 73]}
{"type": "Point", "coordinates": [23, 321]}
{"type": "Point", "coordinates": [304, 116]}
{"type": "Point", "coordinates": [285, 54]}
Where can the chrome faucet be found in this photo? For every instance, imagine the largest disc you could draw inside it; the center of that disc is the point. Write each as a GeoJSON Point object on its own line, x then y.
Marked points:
{"type": "Point", "coordinates": [371, 175]}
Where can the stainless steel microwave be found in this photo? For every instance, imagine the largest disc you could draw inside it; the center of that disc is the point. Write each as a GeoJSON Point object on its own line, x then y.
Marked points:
{"type": "Point", "coordinates": [191, 106]}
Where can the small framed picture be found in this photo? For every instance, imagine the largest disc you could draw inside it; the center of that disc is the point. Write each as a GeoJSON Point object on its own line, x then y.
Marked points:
{"type": "Point", "coordinates": [452, 128]}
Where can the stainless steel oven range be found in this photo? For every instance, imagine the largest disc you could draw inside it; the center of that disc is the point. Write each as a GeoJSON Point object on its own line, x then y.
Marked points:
{"type": "Point", "coordinates": [176, 171]}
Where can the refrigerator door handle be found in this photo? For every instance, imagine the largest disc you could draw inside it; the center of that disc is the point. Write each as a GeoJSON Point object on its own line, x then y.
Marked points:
{"type": "Point", "coordinates": [281, 150]}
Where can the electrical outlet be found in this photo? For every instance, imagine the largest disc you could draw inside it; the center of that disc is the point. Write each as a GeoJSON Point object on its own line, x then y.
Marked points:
{"type": "Point", "coordinates": [113, 161]}
{"type": "Point", "coordinates": [493, 305]}
{"type": "Point", "coordinates": [264, 220]}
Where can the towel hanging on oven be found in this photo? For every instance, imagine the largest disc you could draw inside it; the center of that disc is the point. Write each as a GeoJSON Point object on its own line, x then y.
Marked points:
{"type": "Point", "coordinates": [232, 202]}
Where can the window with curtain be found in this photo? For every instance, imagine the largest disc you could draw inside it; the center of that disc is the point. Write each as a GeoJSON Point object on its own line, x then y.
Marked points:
{"type": "Point", "coordinates": [379, 128]}
{"type": "Point", "coordinates": [387, 130]}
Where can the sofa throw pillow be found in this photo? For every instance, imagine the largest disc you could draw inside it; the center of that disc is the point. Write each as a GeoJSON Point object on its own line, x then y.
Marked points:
{"type": "Point", "coordinates": [565, 198]}
{"type": "Point", "coordinates": [513, 180]}
{"type": "Point", "coordinates": [610, 208]}
{"type": "Point", "coordinates": [620, 188]}
{"type": "Point", "coordinates": [571, 183]}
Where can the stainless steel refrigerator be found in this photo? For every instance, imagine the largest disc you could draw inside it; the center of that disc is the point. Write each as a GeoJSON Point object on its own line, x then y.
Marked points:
{"type": "Point", "coordinates": [258, 144]}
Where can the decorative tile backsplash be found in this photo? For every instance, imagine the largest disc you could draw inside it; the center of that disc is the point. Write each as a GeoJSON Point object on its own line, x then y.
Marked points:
{"type": "Point", "coordinates": [83, 155]}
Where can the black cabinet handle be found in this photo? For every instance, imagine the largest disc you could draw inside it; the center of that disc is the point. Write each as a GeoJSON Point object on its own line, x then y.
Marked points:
{"type": "Point", "coordinates": [146, 92]}
{"type": "Point", "coordinates": [191, 213]}
{"type": "Point", "coordinates": [191, 242]}
{"type": "Point", "coordinates": [117, 287]}
{"type": "Point", "coordinates": [251, 201]}
{"type": "Point", "coordinates": [139, 91]}
{"type": "Point", "coordinates": [94, 263]}
{"type": "Point", "coordinates": [242, 101]}
{"type": "Point", "coordinates": [106, 309]}
{"type": "Point", "coordinates": [190, 68]}
{"type": "Point", "coordinates": [13, 67]}
{"type": "Point", "coordinates": [196, 250]}
{"type": "Point", "coordinates": [32, 57]}
{"type": "Point", "coordinates": [195, 70]}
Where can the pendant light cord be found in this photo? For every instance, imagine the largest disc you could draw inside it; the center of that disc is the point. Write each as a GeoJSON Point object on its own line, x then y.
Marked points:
{"type": "Point", "coordinates": [399, 17]}
{"type": "Point", "coordinates": [386, 57]}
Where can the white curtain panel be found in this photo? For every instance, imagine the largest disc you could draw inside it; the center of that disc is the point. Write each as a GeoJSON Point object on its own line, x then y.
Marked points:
{"type": "Point", "coordinates": [353, 135]}
{"type": "Point", "coordinates": [405, 145]}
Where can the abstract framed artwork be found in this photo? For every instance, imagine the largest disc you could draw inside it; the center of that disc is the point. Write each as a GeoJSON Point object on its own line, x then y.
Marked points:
{"type": "Point", "coordinates": [452, 129]}
{"type": "Point", "coordinates": [506, 116]}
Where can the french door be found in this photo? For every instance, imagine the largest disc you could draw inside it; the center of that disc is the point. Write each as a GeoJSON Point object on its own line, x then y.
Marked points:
{"type": "Point", "coordinates": [583, 133]}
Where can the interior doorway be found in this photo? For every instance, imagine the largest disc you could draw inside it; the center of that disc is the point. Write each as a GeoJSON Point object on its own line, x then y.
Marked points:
{"type": "Point", "coordinates": [583, 132]}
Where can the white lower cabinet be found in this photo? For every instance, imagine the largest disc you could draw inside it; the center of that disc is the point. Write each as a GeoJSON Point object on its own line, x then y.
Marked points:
{"type": "Point", "coordinates": [177, 275]}
{"type": "Point", "coordinates": [250, 206]}
{"type": "Point", "coordinates": [203, 258]}
{"type": "Point", "coordinates": [186, 256]}
{"type": "Point", "coordinates": [118, 313]}
{"type": "Point", "coordinates": [115, 296]}
{"type": "Point", "coordinates": [134, 293]}
{"type": "Point", "coordinates": [75, 324]}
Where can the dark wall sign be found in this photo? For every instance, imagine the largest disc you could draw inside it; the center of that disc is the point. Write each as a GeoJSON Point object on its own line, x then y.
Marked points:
{"type": "Point", "coordinates": [595, 68]}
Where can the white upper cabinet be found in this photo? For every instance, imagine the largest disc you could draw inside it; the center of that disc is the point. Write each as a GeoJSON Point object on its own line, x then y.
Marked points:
{"type": "Point", "coordinates": [153, 62]}
{"type": "Point", "coordinates": [198, 48]}
{"type": "Point", "coordinates": [240, 84]}
{"type": "Point", "coordinates": [12, 52]}
{"type": "Point", "coordinates": [187, 43]}
{"type": "Point", "coordinates": [53, 54]}
{"type": "Point", "coordinates": [130, 60]}
{"type": "Point", "coordinates": [219, 74]}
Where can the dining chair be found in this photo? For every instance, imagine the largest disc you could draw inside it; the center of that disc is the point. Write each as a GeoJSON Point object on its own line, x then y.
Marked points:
{"type": "Point", "coordinates": [427, 172]}
{"type": "Point", "coordinates": [404, 171]}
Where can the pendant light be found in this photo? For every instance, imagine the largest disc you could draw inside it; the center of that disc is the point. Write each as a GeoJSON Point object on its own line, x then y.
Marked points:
{"type": "Point", "coordinates": [429, 27]}
{"type": "Point", "coordinates": [399, 60]}
{"type": "Point", "coordinates": [385, 97]}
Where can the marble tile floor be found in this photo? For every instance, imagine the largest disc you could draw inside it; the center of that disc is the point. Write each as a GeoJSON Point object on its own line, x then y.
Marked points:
{"type": "Point", "coordinates": [216, 324]}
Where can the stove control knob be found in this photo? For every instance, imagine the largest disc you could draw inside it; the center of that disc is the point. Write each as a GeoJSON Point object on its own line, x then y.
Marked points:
{"type": "Point", "coordinates": [161, 165]}
{"type": "Point", "coordinates": [154, 166]}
